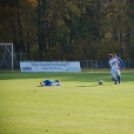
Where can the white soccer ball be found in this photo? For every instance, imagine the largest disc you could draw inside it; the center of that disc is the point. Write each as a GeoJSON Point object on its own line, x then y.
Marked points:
{"type": "Point", "coordinates": [100, 82]}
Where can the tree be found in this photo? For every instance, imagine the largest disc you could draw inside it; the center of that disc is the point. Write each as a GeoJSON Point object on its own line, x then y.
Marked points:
{"type": "Point", "coordinates": [17, 26]}
{"type": "Point", "coordinates": [113, 23]}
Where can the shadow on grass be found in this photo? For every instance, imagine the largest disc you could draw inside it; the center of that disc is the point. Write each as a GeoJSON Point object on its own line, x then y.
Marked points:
{"type": "Point", "coordinates": [70, 76]}
{"type": "Point", "coordinates": [89, 86]}
{"type": "Point", "coordinates": [39, 86]}
{"type": "Point", "coordinates": [95, 85]}
{"type": "Point", "coordinates": [44, 86]}
{"type": "Point", "coordinates": [66, 76]}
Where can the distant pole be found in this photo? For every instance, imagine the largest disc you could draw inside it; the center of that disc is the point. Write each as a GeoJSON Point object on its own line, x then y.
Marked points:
{"type": "Point", "coordinates": [12, 56]}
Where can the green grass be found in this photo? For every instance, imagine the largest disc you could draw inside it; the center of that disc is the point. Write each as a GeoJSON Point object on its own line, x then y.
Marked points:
{"type": "Point", "coordinates": [79, 106]}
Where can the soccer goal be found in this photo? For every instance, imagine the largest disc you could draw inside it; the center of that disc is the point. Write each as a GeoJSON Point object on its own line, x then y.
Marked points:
{"type": "Point", "coordinates": [6, 56]}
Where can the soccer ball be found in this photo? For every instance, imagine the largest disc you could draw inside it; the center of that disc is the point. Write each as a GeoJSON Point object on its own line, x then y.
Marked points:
{"type": "Point", "coordinates": [100, 82]}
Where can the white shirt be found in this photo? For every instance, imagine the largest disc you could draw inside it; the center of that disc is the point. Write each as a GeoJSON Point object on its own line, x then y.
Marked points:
{"type": "Point", "coordinates": [56, 84]}
{"type": "Point", "coordinates": [114, 64]}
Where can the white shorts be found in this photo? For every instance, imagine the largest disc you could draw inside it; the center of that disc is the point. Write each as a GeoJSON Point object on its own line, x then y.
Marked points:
{"type": "Point", "coordinates": [115, 72]}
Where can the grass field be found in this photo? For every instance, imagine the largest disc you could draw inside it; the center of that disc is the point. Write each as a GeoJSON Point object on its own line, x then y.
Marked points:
{"type": "Point", "coordinates": [79, 106]}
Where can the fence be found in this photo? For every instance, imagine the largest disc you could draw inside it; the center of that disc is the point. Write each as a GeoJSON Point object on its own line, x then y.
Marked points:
{"type": "Point", "coordinates": [83, 63]}
{"type": "Point", "coordinates": [103, 63]}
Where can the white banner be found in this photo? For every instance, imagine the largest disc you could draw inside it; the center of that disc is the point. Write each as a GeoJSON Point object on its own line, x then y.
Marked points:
{"type": "Point", "coordinates": [55, 66]}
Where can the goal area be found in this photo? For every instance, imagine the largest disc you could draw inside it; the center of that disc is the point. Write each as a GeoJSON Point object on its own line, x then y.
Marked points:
{"type": "Point", "coordinates": [6, 56]}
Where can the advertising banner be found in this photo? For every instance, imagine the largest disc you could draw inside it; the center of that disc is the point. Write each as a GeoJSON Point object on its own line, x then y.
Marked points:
{"type": "Point", "coordinates": [50, 66]}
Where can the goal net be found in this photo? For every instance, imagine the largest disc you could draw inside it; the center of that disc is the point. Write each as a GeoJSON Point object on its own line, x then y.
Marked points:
{"type": "Point", "coordinates": [6, 56]}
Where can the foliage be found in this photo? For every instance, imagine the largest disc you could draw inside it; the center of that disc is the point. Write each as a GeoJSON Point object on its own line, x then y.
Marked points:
{"type": "Point", "coordinates": [69, 30]}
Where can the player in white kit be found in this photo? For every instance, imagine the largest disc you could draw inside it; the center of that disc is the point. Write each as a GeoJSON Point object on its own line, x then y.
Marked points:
{"type": "Point", "coordinates": [115, 65]}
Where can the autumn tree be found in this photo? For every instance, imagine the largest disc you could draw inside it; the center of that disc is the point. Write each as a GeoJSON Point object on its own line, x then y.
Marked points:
{"type": "Point", "coordinates": [17, 24]}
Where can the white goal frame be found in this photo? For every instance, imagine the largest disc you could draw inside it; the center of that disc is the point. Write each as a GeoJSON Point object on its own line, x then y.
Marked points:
{"type": "Point", "coordinates": [11, 52]}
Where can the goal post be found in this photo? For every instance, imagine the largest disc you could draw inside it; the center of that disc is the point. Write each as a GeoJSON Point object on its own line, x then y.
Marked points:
{"type": "Point", "coordinates": [6, 51]}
